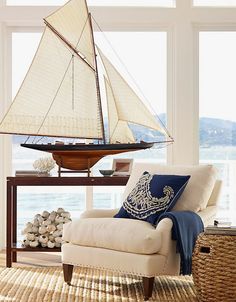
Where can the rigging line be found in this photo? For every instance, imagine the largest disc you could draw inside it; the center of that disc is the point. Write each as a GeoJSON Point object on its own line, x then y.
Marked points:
{"type": "Point", "coordinates": [168, 142]}
{"type": "Point", "coordinates": [161, 145]}
{"type": "Point", "coordinates": [34, 139]}
{"type": "Point", "coordinates": [42, 137]}
{"type": "Point", "coordinates": [164, 144]}
{"type": "Point", "coordinates": [137, 86]}
{"type": "Point", "coordinates": [26, 139]}
{"type": "Point", "coordinates": [54, 96]}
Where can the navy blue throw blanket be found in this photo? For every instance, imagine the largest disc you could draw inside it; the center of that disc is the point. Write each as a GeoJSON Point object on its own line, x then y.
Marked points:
{"type": "Point", "coordinates": [186, 227]}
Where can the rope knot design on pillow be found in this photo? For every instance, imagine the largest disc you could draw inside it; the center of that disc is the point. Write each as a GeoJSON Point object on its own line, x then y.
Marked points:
{"type": "Point", "coordinates": [141, 203]}
{"type": "Point", "coordinates": [153, 195]}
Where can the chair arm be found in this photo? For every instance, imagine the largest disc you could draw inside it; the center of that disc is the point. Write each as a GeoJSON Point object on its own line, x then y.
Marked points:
{"type": "Point", "coordinates": [98, 213]}
{"type": "Point", "coordinates": [208, 215]}
{"type": "Point", "coordinates": [164, 229]}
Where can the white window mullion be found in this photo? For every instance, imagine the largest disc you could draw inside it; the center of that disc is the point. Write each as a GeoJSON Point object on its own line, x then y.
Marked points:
{"type": "Point", "coordinates": [182, 106]}
{"type": "Point", "coordinates": [185, 148]}
{"type": "Point", "coordinates": [171, 72]}
{"type": "Point", "coordinates": [5, 140]}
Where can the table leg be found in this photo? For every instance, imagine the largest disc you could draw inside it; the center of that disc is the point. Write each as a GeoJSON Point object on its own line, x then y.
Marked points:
{"type": "Point", "coordinates": [9, 225]}
{"type": "Point", "coordinates": [14, 224]}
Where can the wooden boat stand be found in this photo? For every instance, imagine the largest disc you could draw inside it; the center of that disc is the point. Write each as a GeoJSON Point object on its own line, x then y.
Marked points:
{"type": "Point", "coordinates": [60, 171]}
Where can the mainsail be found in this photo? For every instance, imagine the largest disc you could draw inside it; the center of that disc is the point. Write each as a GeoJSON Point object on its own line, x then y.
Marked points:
{"type": "Point", "coordinates": [58, 96]}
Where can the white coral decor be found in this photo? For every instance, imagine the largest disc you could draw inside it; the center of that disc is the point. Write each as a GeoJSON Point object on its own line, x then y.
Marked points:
{"type": "Point", "coordinates": [45, 230]}
{"type": "Point", "coordinates": [44, 164]}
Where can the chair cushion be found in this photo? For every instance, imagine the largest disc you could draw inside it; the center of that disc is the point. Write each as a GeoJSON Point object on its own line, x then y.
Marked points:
{"type": "Point", "coordinates": [125, 235]}
{"type": "Point", "coordinates": [152, 196]}
{"type": "Point", "coordinates": [196, 194]}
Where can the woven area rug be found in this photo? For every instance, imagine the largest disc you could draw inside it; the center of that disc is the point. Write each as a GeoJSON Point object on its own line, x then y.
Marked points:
{"type": "Point", "coordinates": [47, 285]}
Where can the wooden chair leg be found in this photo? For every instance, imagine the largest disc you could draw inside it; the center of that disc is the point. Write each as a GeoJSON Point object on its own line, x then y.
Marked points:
{"type": "Point", "coordinates": [67, 271]}
{"type": "Point", "coordinates": [147, 287]}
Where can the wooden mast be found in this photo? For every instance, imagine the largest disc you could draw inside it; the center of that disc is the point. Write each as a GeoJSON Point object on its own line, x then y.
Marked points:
{"type": "Point", "coordinates": [97, 80]}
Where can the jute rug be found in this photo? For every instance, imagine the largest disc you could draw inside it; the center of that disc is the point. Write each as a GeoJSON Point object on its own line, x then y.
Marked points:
{"type": "Point", "coordinates": [47, 285]}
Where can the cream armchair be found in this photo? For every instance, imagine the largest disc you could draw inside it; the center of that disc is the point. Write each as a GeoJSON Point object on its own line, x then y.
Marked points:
{"type": "Point", "coordinates": [98, 240]}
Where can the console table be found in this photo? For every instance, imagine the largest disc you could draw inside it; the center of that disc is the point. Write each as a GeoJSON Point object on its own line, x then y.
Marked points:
{"type": "Point", "coordinates": [14, 182]}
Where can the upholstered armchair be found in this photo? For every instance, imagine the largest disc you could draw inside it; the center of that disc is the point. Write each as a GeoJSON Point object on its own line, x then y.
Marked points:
{"type": "Point", "coordinates": [98, 240]}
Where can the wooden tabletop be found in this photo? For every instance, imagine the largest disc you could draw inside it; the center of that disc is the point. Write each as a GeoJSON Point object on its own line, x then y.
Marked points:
{"type": "Point", "coordinates": [68, 181]}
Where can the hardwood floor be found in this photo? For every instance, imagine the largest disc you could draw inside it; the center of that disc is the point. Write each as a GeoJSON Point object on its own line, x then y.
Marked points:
{"type": "Point", "coordinates": [34, 259]}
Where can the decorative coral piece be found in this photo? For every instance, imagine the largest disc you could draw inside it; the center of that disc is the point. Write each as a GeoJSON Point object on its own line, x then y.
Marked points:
{"type": "Point", "coordinates": [45, 230]}
{"type": "Point", "coordinates": [44, 164]}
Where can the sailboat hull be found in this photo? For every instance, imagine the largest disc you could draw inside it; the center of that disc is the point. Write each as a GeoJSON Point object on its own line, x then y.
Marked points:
{"type": "Point", "coordinates": [84, 156]}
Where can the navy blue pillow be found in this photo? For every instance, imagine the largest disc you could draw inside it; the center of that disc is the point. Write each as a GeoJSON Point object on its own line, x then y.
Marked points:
{"type": "Point", "coordinates": [152, 196]}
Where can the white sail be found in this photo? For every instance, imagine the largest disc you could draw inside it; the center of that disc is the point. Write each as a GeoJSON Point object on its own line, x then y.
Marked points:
{"type": "Point", "coordinates": [58, 96]}
{"type": "Point", "coordinates": [129, 107]}
{"type": "Point", "coordinates": [119, 130]}
{"type": "Point", "coordinates": [72, 22]}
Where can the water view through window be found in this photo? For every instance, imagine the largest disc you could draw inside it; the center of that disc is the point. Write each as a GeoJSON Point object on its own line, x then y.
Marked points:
{"type": "Point", "coordinates": [149, 72]}
{"type": "Point", "coordinates": [217, 65]}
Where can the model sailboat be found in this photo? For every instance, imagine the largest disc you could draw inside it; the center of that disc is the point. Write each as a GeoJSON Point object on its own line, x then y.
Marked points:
{"type": "Point", "coordinates": [60, 95]}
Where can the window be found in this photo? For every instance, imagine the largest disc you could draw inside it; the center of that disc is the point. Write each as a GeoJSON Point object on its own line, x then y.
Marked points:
{"type": "Point", "coordinates": [220, 3]}
{"type": "Point", "coordinates": [217, 65]}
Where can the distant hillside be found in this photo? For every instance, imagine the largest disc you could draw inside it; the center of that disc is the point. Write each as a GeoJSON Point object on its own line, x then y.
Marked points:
{"type": "Point", "coordinates": [213, 132]}
{"type": "Point", "coordinates": [217, 132]}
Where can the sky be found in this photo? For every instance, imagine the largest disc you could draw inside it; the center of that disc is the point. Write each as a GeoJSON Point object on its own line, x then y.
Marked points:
{"type": "Point", "coordinates": [144, 56]}
{"type": "Point", "coordinates": [217, 74]}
